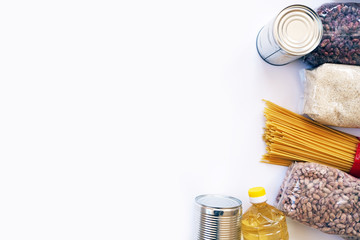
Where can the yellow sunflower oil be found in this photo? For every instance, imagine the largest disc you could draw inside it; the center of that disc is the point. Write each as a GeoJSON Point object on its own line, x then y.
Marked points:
{"type": "Point", "coordinates": [263, 221]}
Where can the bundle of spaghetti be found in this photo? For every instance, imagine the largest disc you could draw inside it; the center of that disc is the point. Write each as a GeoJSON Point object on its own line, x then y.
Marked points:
{"type": "Point", "coordinates": [291, 137]}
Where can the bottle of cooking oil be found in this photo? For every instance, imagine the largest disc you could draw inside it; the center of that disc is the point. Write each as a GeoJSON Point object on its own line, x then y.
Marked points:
{"type": "Point", "coordinates": [263, 221]}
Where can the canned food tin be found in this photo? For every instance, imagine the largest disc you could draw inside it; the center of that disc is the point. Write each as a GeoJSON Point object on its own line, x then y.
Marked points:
{"type": "Point", "coordinates": [219, 217]}
{"type": "Point", "coordinates": [296, 31]}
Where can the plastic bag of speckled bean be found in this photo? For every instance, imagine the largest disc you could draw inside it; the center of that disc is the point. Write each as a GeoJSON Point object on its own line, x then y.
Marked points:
{"type": "Point", "coordinates": [341, 35]}
{"type": "Point", "coordinates": [322, 197]}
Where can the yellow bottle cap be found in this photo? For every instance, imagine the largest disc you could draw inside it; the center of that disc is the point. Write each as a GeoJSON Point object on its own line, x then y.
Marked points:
{"type": "Point", "coordinates": [257, 192]}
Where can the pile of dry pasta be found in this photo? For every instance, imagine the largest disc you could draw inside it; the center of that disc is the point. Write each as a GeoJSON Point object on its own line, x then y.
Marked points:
{"type": "Point", "coordinates": [292, 137]}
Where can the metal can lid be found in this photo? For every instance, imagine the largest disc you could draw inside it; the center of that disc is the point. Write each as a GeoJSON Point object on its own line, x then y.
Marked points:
{"type": "Point", "coordinates": [219, 205]}
{"type": "Point", "coordinates": [298, 30]}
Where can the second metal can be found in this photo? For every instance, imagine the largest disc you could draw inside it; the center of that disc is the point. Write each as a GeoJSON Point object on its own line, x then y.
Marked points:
{"type": "Point", "coordinates": [218, 217]}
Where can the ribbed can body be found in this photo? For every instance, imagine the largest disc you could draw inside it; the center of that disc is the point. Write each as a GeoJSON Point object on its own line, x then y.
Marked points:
{"type": "Point", "coordinates": [218, 217]}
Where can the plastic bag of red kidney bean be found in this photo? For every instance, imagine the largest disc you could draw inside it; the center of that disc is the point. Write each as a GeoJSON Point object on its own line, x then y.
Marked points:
{"type": "Point", "coordinates": [341, 35]}
{"type": "Point", "coordinates": [322, 197]}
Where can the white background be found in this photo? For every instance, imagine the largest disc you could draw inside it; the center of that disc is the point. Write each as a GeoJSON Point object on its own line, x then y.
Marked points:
{"type": "Point", "coordinates": [115, 115]}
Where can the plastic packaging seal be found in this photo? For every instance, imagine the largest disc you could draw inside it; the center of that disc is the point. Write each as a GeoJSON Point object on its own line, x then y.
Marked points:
{"type": "Point", "coordinates": [355, 169]}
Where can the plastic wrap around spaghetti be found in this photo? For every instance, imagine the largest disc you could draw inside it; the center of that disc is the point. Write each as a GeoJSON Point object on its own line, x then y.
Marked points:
{"type": "Point", "coordinates": [322, 197]}
{"type": "Point", "coordinates": [341, 35]}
